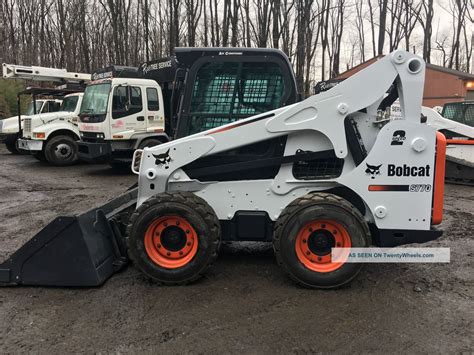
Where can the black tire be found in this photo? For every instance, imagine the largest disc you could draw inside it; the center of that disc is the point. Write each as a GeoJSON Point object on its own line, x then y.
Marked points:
{"type": "Point", "coordinates": [39, 155]}
{"type": "Point", "coordinates": [147, 143]}
{"type": "Point", "coordinates": [294, 219]}
{"type": "Point", "coordinates": [194, 211]}
{"type": "Point", "coordinates": [61, 151]}
{"type": "Point", "coordinates": [11, 147]}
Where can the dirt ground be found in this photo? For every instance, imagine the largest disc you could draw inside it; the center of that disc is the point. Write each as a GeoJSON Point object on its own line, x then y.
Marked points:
{"type": "Point", "coordinates": [244, 304]}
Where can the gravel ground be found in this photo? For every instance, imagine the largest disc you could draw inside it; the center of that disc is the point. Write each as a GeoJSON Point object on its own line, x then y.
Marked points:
{"type": "Point", "coordinates": [244, 304]}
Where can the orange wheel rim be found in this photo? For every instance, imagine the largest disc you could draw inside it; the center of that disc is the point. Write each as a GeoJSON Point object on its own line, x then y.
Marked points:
{"type": "Point", "coordinates": [314, 243]}
{"type": "Point", "coordinates": [171, 242]}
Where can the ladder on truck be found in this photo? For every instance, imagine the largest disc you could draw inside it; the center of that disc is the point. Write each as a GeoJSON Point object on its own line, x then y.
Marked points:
{"type": "Point", "coordinates": [12, 71]}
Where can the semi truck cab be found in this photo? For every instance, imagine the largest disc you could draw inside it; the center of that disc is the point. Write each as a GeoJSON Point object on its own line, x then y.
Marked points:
{"type": "Point", "coordinates": [10, 129]}
{"type": "Point", "coordinates": [120, 114]}
{"type": "Point", "coordinates": [52, 137]}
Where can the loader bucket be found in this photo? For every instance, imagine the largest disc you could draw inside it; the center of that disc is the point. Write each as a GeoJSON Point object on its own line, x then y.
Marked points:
{"type": "Point", "coordinates": [83, 250]}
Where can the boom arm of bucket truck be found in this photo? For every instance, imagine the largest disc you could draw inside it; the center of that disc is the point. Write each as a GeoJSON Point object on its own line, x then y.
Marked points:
{"type": "Point", "coordinates": [12, 71]}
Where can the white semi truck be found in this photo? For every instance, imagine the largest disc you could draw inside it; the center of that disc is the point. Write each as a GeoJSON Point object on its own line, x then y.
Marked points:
{"type": "Point", "coordinates": [50, 136]}
{"type": "Point", "coordinates": [9, 128]}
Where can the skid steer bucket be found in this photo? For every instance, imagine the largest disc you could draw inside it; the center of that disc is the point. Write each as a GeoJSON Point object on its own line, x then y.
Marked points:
{"type": "Point", "coordinates": [83, 250]}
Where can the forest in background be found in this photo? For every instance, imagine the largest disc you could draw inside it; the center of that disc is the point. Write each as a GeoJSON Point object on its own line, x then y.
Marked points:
{"type": "Point", "coordinates": [321, 37]}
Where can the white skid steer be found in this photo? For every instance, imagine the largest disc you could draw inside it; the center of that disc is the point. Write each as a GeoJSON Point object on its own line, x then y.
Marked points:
{"type": "Point", "coordinates": [344, 180]}
{"type": "Point", "coordinates": [344, 177]}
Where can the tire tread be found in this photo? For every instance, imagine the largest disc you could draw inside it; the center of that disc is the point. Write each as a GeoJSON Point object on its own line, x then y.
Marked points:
{"type": "Point", "coordinates": [302, 202]}
{"type": "Point", "coordinates": [201, 207]}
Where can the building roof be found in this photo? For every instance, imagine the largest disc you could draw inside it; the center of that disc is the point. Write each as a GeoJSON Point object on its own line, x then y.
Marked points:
{"type": "Point", "coordinates": [458, 73]}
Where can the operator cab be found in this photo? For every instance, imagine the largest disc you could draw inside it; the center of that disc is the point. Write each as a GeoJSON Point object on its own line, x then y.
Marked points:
{"type": "Point", "coordinates": [204, 88]}
{"type": "Point", "coordinates": [224, 85]}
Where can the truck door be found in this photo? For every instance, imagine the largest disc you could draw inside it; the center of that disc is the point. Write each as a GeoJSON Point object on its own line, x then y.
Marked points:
{"type": "Point", "coordinates": [128, 113]}
{"type": "Point", "coordinates": [154, 110]}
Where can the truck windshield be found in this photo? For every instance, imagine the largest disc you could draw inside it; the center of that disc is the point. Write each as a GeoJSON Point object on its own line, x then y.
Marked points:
{"type": "Point", "coordinates": [69, 104]}
{"type": "Point", "coordinates": [95, 99]}
{"type": "Point", "coordinates": [30, 110]}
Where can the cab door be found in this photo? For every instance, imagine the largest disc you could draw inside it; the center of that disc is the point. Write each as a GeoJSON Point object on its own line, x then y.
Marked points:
{"type": "Point", "coordinates": [154, 106]}
{"type": "Point", "coordinates": [128, 113]}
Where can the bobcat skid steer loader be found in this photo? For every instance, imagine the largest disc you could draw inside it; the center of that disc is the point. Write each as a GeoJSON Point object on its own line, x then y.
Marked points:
{"type": "Point", "coordinates": [343, 179]}
{"type": "Point", "coordinates": [326, 172]}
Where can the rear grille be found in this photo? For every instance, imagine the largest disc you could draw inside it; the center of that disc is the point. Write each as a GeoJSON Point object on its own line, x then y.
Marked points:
{"type": "Point", "coordinates": [326, 168]}
{"type": "Point", "coordinates": [27, 127]}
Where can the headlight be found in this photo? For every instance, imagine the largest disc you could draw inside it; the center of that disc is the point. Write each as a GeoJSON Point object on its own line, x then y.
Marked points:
{"type": "Point", "coordinates": [39, 135]}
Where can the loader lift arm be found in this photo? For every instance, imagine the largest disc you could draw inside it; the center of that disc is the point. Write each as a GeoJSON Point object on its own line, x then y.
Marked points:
{"type": "Point", "coordinates": [325, 113]}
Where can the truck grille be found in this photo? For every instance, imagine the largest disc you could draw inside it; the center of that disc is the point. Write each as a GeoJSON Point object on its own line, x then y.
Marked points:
{"type": "Point", "coordinates": [27, 127]}
{"type": "Point", "coordinates": [90, 137]}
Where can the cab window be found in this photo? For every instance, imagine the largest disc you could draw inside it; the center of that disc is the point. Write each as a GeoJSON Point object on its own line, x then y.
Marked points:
{"type": "Point", "coordinates": [453, 111]}
{"type": "Point", "coordinates": [153, 103]}
{"type": "Point", "coordinates": [469, 115]}
{"type": "Point", "coordinates": [51, 106]}
{"type": "Point", "coordinates": [126, 101]}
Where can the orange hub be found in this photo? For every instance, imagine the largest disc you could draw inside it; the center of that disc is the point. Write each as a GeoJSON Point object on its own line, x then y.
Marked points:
{"type": "Point", "coordinates": [171, 242]}
{"type": "Point", "coordinates": [314, 243]}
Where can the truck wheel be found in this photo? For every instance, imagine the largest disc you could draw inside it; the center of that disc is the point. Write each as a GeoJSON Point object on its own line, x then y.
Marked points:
{"type": "Point", "coordinates": [39, 155]}
{"type": "Point", "coordinates": [61, 151]}
{"type": "Point", "coordinates": [306, 231]}
{"type": "Point", "coordinates": [147, 143]}
{"type": "Point", "coordinates": [173, 238]}
{"type": "Point", "coordinates": [12, 148]}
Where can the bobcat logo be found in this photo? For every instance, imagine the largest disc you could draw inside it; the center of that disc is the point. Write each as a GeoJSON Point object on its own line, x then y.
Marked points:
{"type": "Point", "coordinates": [163, 159]}
{"type": "Point", "coordinates": [373, 170]}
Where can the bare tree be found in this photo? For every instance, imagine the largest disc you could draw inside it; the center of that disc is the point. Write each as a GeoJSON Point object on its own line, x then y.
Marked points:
{"type": "Point", "coordinates": [383, 7]}
{"type": "Point", "coordinates": [317, 35]}
{"type": "Point", "coordinates": [372, 26]}
{"type": "Point", "coordinates": [359, 23]}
